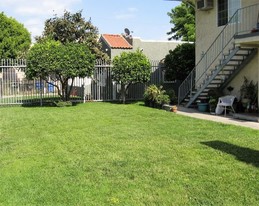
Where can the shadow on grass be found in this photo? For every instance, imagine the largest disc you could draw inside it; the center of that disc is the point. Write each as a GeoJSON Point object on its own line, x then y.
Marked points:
{"type": "Point", "coordinates": [120, 102]}
{"type": "Point", "coordinates": [242, 154]}
{"type": "Point", "coordinates": [46, 102]}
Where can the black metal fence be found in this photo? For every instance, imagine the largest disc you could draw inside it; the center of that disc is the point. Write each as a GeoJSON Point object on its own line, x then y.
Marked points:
{"type": "Point", "coordinates": [16, 89]}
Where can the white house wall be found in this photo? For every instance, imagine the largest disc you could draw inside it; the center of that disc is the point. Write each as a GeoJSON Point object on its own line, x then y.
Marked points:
{"type": "Point", "coordinates": [206, 32]}
{"type": "Point", "coordinates": [245, 3]}
{"type": "Point", "coordinates": [207, 27]}
{"type": "Point", "coordinates": [251, 72]}
{"type": "Point", "coordinates": [154, 50]}
{"type": "Point", "coordinates": [116, 52]}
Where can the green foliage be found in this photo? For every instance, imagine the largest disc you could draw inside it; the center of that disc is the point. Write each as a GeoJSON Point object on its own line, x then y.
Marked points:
{"type": "Point", "coordinates": [214, 94]}
{"type": "Point", "coordinates": [130, 68]}
{"type": "Point", "coordinates": [63, 103]}
{"type": "Point", "coordinates": [155, 96]}
{"type": "Point", "coordinates": [249, 90]}
{"type": "Point", "coordinates": [73, 28]}
{"type": "Point", "coordinates": [183, 19]}
{"type": "Point", "coordinates": [180, 61]}
{"type": "Point", "coordinates": [163, 98]}
{"type": "Point", "coordinates": [52, 61]}
{"type": "Point", "coordinates": [173, 98]}
{"type": "Point", "coordinates": [15, 39]}
{"type": "Point", "coordinates": [151, 93]}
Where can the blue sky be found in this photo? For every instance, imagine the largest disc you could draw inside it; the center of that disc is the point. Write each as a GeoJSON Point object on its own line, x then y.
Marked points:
{"type": "Point", "coordinates": [147, 19]}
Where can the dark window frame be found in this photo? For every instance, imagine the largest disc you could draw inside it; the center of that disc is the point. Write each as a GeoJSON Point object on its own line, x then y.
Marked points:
{"type": "Point", "coordinates": [222, 12]}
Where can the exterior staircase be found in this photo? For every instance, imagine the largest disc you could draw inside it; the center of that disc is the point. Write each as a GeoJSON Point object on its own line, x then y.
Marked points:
{"type": "Point", "coordinates": [223, 73]}
{"type": "Point", "coordinates": [222, 61]}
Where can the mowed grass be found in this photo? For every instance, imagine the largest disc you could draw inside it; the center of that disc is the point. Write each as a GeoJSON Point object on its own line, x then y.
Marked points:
{"type": "Point", "coordinates": [112, 154]}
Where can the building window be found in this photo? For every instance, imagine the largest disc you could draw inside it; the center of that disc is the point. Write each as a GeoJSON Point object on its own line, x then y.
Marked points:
{"type": "Point", "coordinates": [226, 9]}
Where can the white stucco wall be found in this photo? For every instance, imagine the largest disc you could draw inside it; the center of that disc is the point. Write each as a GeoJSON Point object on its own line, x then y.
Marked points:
{"type": "Point", "coordinates": [250, 72]}
{"type": "Point", "coordinates": [207, 28]}
{"type": "Point", "coordinates": [245, 3]}
{"type": "Point", "coordinates": [155, 50]}
{"type": "Point", "coordinates": [115, 52]}
{"type": "Point", "coordinates": [207, 31]}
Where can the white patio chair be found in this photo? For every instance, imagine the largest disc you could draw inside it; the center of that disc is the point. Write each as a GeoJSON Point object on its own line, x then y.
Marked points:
{"type": "Point", "coordinates": [225, 103]}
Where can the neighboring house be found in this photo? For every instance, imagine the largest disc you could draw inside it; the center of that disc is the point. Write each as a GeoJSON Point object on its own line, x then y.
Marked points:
{"type": "Point", "coordinates": [114, 44]}
{"type": "Point", "coordinates": [227, 41]}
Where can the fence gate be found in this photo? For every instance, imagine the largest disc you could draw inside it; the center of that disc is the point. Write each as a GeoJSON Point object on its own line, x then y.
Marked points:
{"type": "Point", "coordinates": [16, 89]}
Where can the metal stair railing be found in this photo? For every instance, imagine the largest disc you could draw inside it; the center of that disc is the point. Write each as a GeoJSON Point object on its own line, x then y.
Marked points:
{"type": "Point", "coordinates": [210, 78]}
{"type": "Point", "coordinates": [242, 22]}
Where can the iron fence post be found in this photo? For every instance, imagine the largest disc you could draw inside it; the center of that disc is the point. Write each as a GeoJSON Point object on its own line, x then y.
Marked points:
{"type": "Point", "coordinates": [41, 88]}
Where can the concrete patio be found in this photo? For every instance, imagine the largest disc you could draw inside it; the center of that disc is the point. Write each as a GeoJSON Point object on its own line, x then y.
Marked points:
{"type": "Point", "coordinates": [244, 120]}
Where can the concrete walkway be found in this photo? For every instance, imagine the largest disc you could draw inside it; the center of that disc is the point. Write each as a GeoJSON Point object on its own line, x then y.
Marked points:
{"type": "Point", "coordinates": [217, 118]}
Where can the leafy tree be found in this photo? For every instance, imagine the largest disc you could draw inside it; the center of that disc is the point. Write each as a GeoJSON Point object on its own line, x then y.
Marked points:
{"type": "Point", "coordinates": [55, 62]}
{"type": "Point", "coordinates": [180, 61]}
{"type": "Point", "coordinates": [183, 19]}
{"type": "Point", "coordinates": [73, 28]}
{"type": "Point", "coordinates": [15, 39]}
{"type": "Point", "coordinates": [130, 68]}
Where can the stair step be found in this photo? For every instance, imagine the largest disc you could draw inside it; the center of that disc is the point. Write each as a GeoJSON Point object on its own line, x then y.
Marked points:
{"type": "Point", "coordinates": [213, 86]}
{"type": "Point", "coordinates": [238, 60]}
{"type": "Point", "coordinates": [228, 69]}
{"type": "Point", "coordinates": [241, 55]}
{"type": "Point", "coordinates": [246, 49]}
{"type": "Point", "coordinates": [217, 79]}
{"type": "Point", "coordinates": [232, 65]}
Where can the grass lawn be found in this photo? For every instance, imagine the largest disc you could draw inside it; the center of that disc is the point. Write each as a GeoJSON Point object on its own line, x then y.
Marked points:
{"type": "Point", "coordinates": [111, 154]}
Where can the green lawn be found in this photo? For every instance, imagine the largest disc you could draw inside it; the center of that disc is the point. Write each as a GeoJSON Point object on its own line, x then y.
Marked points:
{"type": "Point", "coordinates": [111, 154]}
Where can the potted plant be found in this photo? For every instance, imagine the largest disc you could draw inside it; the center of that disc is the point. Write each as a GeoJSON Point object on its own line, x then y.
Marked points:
{"type": "Point", "coordinates": [155, 96]}
{"type": "Point", "coordinates": [150, 95]}
{"type": "Point", "coordinates": [162, 98]}
{"type": "Point", "coordinates": [214, 95]}
{"type": "Point", "coordinates": [249, 93]}
{"type": "Point", "coordinates": [174, 109]}
{"type": "Point", "coordinates": [202, 105]}
{"type": "Point", "coordinates": [213, 104]}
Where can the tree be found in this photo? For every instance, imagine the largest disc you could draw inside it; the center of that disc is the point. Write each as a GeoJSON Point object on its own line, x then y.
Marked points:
{"type": "Point", "coordinates": [15, 39]}
{"type": "Point", "coordinates": [183, 19]}
{"type": "Point", "coordinates": [55, 62]}
{"type": "Point", "coordinates": [130, 68]}
{"type": "Point", "coordinates": [180, 61]}
{"type": "Point", "coordinates": [73, 28]}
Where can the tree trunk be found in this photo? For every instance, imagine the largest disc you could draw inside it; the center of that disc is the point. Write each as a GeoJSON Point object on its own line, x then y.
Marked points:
{"type": "Point", "coordinates": [124, 90]}
{"type": "Point", "coordinates": [123, 93]}
{"type": "Point", "coordinates": [64, 83]}
{"type": "Point", "coordinates": [69, 89]}
{"type": "Point", "coordinates": [63, 90]}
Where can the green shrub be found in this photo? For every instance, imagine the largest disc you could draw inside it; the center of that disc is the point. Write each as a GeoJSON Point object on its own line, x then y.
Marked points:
{"type": "Point", "coordinates": [63, 103]}
{"type": "Point", "coordinates": [155, 96]}
{"type": "Point", "coordinates": [162, 99]}
{"type": "Point", "coordinates": [151, 93]}
{"type": "Point", "coordinates": [173, 98]}
{"type": "Point", "coordinates": [180, 62]}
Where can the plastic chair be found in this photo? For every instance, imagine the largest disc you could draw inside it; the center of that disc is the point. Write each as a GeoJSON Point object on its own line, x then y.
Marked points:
{"type": "Point", "coordinates": [225, 103]}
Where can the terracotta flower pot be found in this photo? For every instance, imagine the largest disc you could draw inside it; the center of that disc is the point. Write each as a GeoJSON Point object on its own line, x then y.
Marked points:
{"type": "Point", "coordinates": [174, 109]}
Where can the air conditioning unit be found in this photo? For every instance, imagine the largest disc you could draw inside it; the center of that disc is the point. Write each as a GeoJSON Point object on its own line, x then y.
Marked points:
{"type": "Point", "coordinates": [204, 4]}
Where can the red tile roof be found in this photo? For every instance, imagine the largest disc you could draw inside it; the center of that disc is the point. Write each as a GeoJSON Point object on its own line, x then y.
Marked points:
{"type": "Point", "coordinates": [116, 41]}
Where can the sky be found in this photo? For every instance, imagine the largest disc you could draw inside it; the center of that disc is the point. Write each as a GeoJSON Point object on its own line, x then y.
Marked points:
{"type": "Point", "coordinates": [146, 19]}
